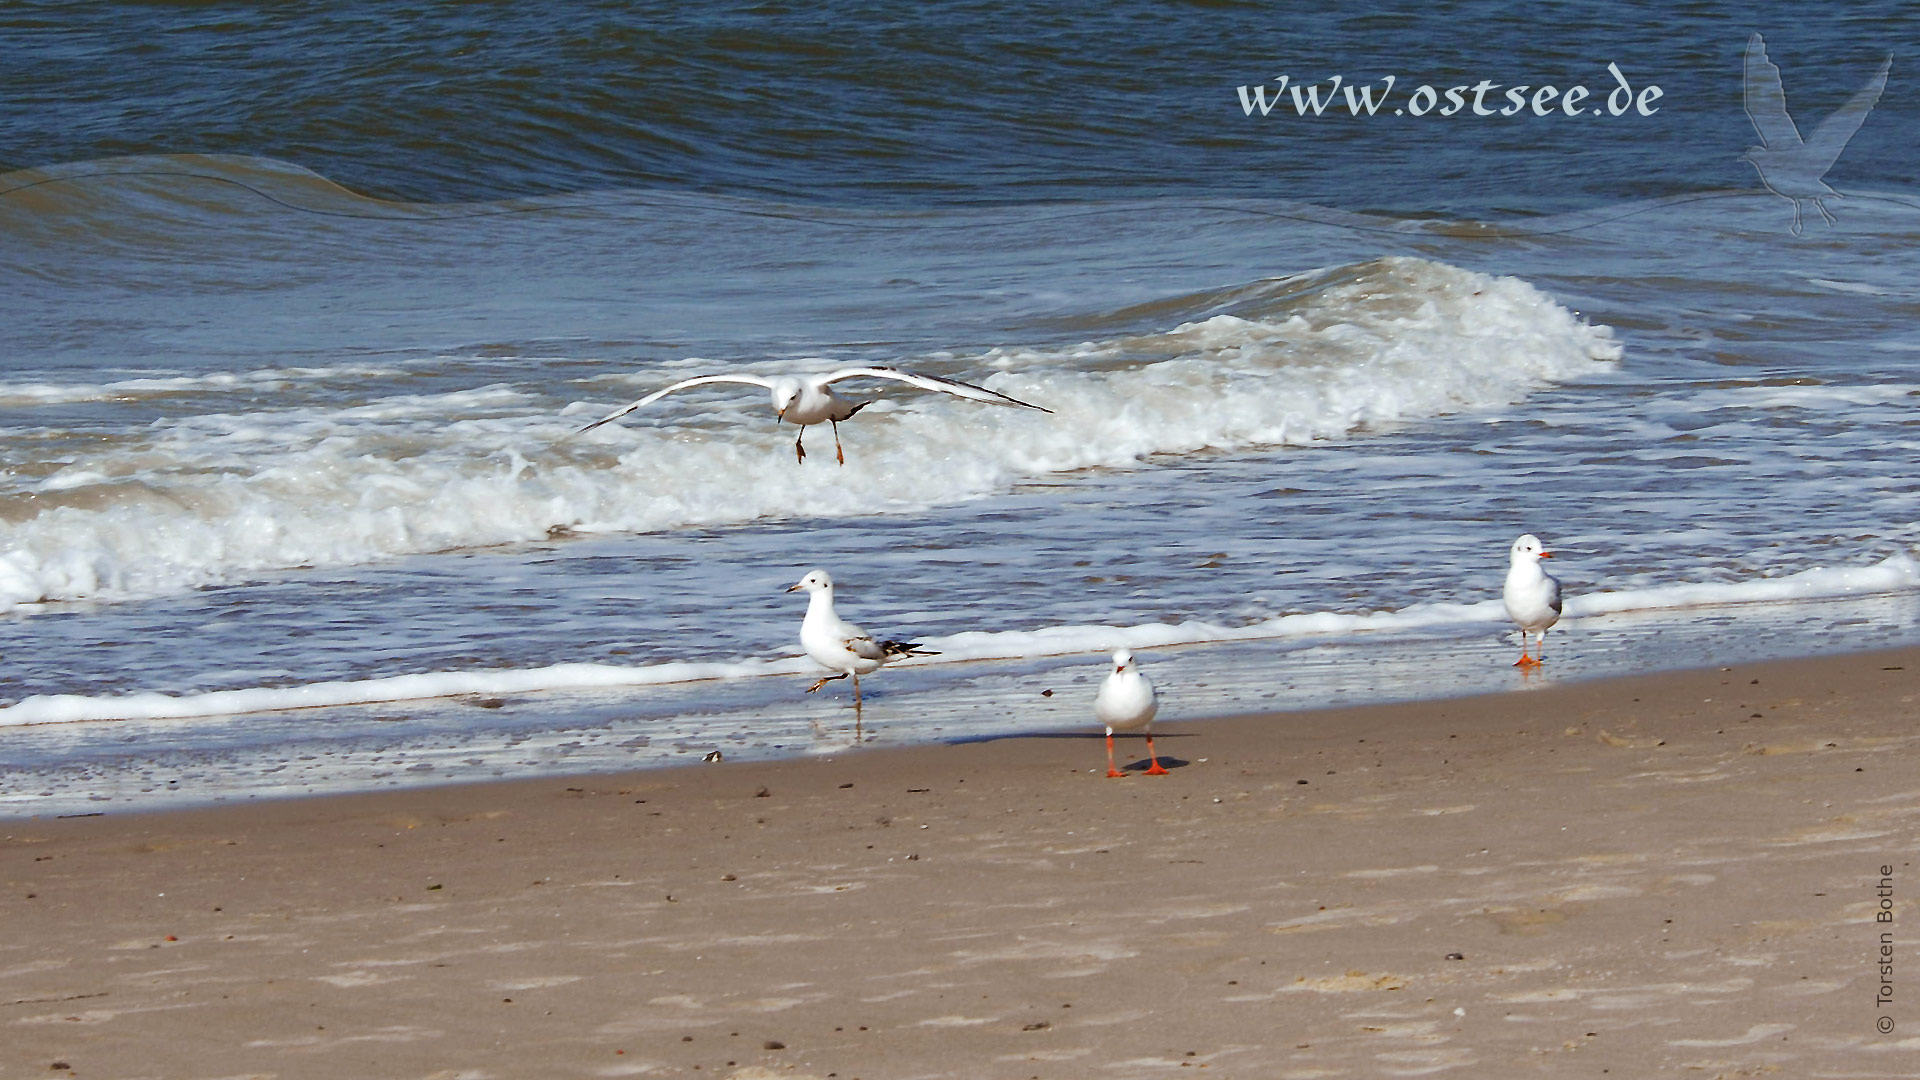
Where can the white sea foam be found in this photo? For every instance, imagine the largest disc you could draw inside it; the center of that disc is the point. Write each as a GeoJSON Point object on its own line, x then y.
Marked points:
{"type": "Point", "coordinates": [1896, 574]}
{"type": "Point", "coordinates": [1826, 398]}
{"type": "Point", "coordinates": [207, 498]}
{"type": "Point", "coordinates": [73, 708]}
{"type": "Point", "coordinates": [134, 387]}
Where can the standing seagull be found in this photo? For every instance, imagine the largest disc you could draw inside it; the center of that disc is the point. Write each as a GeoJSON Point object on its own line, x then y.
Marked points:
{"type": "Point", "coordinates": [1789, 166]}
{"type": "Point", "coordinates": [1126, 703]}
{"type": "Point", "coordinates": [804, 400]}
{"type": "Point", "coordinates": [1532, 596]}
{"type": "Point", "coordinates": [838, 645]}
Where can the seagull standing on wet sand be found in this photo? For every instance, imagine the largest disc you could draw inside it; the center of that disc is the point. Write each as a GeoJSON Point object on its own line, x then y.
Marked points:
{"type": "Point", "coordinates": [1532, 596]}
{"type": "Point", "coordinates": [1126, 703]}
{"type": "Point", "coordinates": [805, 400]}
{"type": "Point", "coordinates": [838, 645]}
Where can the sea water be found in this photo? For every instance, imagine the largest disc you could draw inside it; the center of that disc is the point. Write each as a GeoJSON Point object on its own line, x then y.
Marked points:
{"type": "Point", "coordinates": [295, 354]}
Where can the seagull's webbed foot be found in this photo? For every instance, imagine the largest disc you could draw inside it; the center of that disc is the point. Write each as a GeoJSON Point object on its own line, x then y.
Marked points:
{"type": "Point", "coordinates": [823, 682]}
{"type": "Point", "coordinates": [799, 451]}
{"type": "Point", "coordinates": [1155, 768]}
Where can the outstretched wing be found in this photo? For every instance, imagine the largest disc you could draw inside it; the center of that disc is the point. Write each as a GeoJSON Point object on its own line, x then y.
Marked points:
{"type": "Point", "coordinates": [702, 380]}
{"type": "Point", "coordinates": [932, 382]}
{"type": "Point", "coordinates": [1831, 136]}
{"type": "Point", "coordinates": [1766, 102]}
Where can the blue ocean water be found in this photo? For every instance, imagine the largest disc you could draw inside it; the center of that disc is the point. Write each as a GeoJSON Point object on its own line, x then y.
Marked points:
{"type": "Point", "coordinates": [864, 103]}
{"type": "Point", "coordinates": [303, 308]}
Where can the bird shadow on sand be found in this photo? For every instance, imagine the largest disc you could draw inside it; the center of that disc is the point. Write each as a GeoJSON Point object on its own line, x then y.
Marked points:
{"type": "Point", "coordinates": [1167, 763]}
{"type": "Point", "coordinates": [962, 740]}
{"type": "Point", "coordinates": [1141, 766]}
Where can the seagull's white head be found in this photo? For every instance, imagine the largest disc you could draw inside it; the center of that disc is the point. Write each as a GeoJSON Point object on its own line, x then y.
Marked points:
{"type": "Point", "coordinates": [1529, 547]}
{"type": "Point", "coordinates": [786, 391]}
{"type": "Point", "coordinates": [1122, 661]}
{"type": "Point", "coordinates": [816, 581]}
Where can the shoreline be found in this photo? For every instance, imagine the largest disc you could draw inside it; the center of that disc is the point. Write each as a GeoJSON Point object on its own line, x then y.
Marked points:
{"type": "Point", "coordinates": [1655, 873]}
{"type": "Point", "coordinates": [249, 759]}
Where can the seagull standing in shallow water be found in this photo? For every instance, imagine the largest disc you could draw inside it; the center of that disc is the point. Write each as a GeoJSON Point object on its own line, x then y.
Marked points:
{"type": "Point", "coordinates": [805, 400]}
{"type": "Point", "coordinates": [838, 645]}
{"type": "Point", "coordinates": [1126, 703]}
{"type": "Point", "coordinates": [1532, 596]}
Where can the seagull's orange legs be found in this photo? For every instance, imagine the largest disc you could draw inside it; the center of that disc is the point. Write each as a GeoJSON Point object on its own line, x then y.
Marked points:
{"type": "Point", "coordinates": [1155, 770]}
{"type": "Point", "coordinates": [1527, 661]}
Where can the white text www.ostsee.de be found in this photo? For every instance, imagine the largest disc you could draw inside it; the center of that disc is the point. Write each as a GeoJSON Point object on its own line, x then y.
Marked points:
{"type": "Point", "coordinates": [1370, 99]}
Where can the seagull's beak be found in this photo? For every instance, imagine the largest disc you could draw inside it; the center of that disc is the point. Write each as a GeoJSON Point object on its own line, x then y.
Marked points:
{"type": "Point", "coordinates": [795, 587]}
{"type": "Point", "coordinates": [780, 416]}
{"type": "Point", "coordinates": [1546, 554]}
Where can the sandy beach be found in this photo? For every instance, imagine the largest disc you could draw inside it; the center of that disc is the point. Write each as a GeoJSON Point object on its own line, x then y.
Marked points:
{"type": "Point", "coordinates": [1669, 875]}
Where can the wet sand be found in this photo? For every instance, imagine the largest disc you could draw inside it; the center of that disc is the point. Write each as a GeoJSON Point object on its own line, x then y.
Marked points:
{"type": "Point", "coordinates": [1669, 875]}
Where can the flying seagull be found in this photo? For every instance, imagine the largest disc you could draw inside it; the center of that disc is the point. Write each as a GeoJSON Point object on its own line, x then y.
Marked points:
{"type": "Point", "coordinates": [1789, 166]}
{"type": "Point", "coordinates": [804, 400]}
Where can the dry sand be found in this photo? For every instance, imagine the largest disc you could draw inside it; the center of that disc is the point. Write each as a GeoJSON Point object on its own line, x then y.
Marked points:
{"type": "Point", "coordinates": [1673, 875]}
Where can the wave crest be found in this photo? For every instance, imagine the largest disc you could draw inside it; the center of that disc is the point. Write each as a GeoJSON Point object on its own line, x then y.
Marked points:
{"type": "Point", "coordinates": [206, 498]}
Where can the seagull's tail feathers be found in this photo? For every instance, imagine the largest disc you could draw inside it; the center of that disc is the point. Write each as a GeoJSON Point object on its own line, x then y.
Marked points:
{"type": "Point", "coordinates": [897, 649]}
